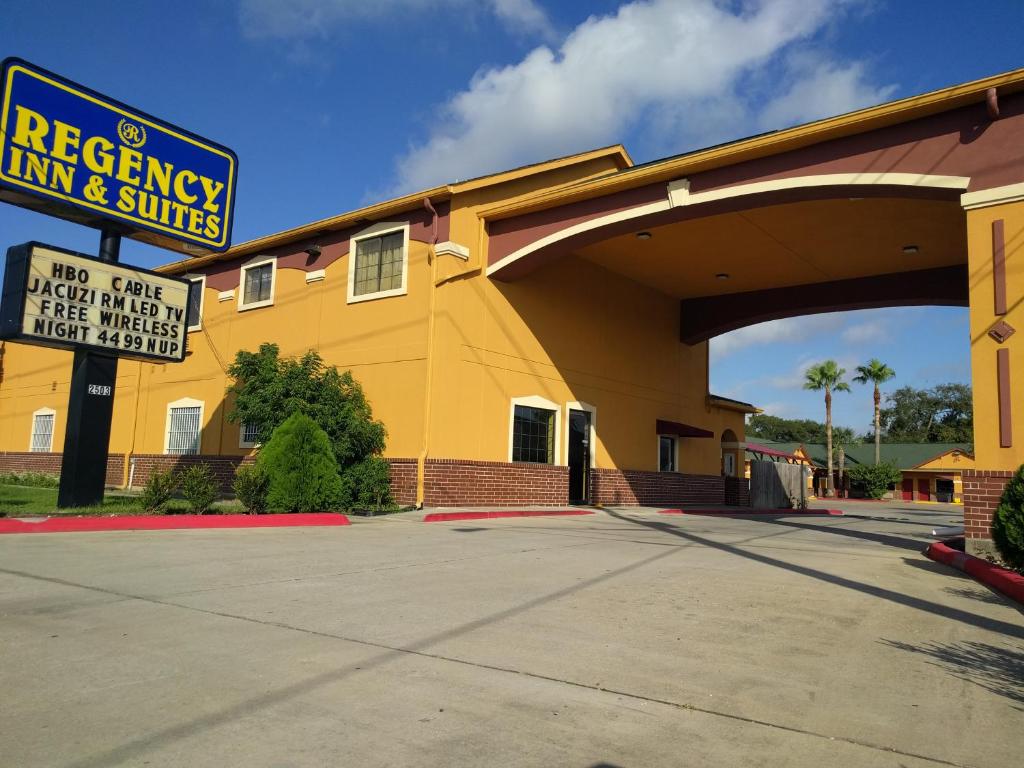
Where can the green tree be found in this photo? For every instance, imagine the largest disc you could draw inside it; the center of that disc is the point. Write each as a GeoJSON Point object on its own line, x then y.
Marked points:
{"type": "Point", "coordinates": [1008, 522]}
{"type": "Point", "coordinates": [873, 480]}
{"type": "Point", "coordinates": [877, 373]}
{"type": "Point", "coordinates": [943, 414]}
{"type": "Point", "coordinates": [806, 431]}
{"type": "Point", "coordinates": [827, 376]}
{"type": "Point", "coordinates": [301, 468]}
{"type": "Point", "coordinates": [268, 389]}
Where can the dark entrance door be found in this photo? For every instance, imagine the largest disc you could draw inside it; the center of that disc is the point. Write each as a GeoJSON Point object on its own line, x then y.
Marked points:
{"type": "Point", "coordinates": [579, 457]}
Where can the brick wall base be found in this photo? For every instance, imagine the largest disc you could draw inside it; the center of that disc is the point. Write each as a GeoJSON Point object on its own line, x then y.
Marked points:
{"type": "Point", "coordinates": [737, 492]}
{"type": "Point", "coordinates": [455, 483]}
{"type": "Point", "coordinates": [452, 482]}
{"type": "Point", "coordinates": [403, 481]}
{"type": "Point", "coordinates": [25, 461]}
{"type": "Point", "coordinates": [615, 487]}
{"type": "Point", "coordinates": [982, 491]}
{"type": "Point", "coordinates": [222, 467]}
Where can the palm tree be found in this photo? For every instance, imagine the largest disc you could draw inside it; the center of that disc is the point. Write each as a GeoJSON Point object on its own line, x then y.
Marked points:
{"type": "Point", "coordinates": [827, 376]}
{"type": "Point", "coordinates": [877, 372]}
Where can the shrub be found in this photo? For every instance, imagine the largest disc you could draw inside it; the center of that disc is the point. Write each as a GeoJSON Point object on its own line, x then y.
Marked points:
{"type": "Point", "coordinates": [158, 491]}
{"type": "Point", "coordinates": [1008, 522]}
{"type": "Point", "coordinates": [369, 482]}
{"type": "Point", "coordinates": [267, 389]}
{"type": "Point", "coordinates": [251, 486]}
{"type": "Point", "coordinates": [34, 479]}
{"type": "Point", "coordinates": [200, 488]}
{"type": "Point", "coordinates": [301, 468]}
{"type": "Point", "coordinates": [873, 480]}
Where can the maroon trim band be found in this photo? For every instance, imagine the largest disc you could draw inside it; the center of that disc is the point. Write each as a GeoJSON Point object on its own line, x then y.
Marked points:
{"type": "Point", "coordinates": [706, 316]}
{"type": "Point", "coordinates": [999, 266]}
{"type": "Point", "coordinates": [1003, 376]}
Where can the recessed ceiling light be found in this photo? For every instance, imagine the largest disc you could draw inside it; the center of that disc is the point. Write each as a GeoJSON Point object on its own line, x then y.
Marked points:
{"type": "Point", "coordinates": [643, 235]}
{"type": "Point", "coordinates": [910, 249]}
{"type": "Point", "coordinates": [722, 275]}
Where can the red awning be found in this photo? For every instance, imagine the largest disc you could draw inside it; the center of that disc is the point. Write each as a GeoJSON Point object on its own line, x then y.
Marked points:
{"type": "Point", "coordinates": [764, 449]}
{"type": "Point", "coordinates": [681, 430]}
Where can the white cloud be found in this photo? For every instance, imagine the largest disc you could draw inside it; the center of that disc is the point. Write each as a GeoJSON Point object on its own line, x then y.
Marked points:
{"type": "Point", "coordinates": [304, 19]}
{"type": "Point", "coordinates": [525, 16]}
{"type": "Point", "coordinates": [794, 377]}
{"type": "Point", "coordinates": [820, 89]}
{"type": "Point", "coordinates": [870, 332]}
{"type": "Point", "coordinates": [792, 330]}
{"type": "Point", "coordinates": [679, 73]}
{"type": "Point", "coordinates": [780, 408]}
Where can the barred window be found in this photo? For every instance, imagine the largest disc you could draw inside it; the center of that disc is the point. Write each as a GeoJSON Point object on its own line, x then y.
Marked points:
{"type": "Point", "coordinates": [42, 432]}
{"type": "Point", "coordinates": [250, 434]}
{"type": "Point", "coordinates": [195, 304]}
{"type": "Point", "coordinates": [183, 430]}
{"type": "Point", "coordinates": [257, 284]}
{"type": "Point", "coordinates": [533, 435]}
{"type": "Point", "coordinates": [379, 263]}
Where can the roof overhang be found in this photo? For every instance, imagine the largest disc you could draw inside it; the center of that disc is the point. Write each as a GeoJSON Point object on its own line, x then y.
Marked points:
{"type": "Point", "coordinates": [679, 429]}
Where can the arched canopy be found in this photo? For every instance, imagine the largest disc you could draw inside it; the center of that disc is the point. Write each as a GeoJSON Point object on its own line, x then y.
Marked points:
{"type": "Point", "coordinates": [863, 210]}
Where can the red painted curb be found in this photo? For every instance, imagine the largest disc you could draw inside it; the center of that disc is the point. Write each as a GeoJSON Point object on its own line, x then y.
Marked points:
{"type": "Point", "coordinates": [166, 522]}
{"type": "Point", "coordinates": [737, 512]}
{"type": "Point", "coordinates": [443, 517]}
{"type": "Point", "coordinates": [1009, 583]}
{"type": "Point", "coordinates": [670, 512]}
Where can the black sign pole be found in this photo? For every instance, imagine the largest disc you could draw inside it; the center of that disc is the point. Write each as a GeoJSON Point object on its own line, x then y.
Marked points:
{"type": "Point", "coordinates": [83, 469]}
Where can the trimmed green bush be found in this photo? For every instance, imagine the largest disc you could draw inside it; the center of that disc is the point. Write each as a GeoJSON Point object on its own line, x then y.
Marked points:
{"type": "Point", "coordinates": [33, 479]}
{"type": "Point", "coordinates": [158, 491]}
{"type": "Point", "coordinates": [200, 488]}
{"type": "Point", "coordinates": [1008, 522]}
{"type": "Point", "coordinates": [873, 480]}
{"type": "Point", "coordinates": [251, 486]}
{"type": "Point", "coordinates": [370, 483]}
{"type": "Point", "coordinates": [301, 467]}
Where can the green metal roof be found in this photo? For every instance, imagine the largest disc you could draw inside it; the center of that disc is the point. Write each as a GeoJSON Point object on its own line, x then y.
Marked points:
{"type": "Point", "coordinates": [903, 455]}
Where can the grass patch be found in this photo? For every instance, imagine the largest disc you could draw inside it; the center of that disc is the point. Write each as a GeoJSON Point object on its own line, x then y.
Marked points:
{"type": "Point", "coordinates": [21, 501]}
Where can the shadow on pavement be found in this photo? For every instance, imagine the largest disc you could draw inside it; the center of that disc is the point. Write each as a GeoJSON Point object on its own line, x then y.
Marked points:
{"type": "Point", "coordinates": [889, 540]}
{"type": "Point", "coordinates": [998, 670]}
{"type": "Point", "coordinates": [917, 603]}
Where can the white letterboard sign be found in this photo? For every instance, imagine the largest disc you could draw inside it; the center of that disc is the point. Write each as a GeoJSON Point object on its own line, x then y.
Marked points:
{"type": "Point", "coordinates": [58, 298]}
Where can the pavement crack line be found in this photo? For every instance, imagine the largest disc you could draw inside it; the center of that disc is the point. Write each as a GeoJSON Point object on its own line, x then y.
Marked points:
{"type": "Point", "coordinates": [392, 651]}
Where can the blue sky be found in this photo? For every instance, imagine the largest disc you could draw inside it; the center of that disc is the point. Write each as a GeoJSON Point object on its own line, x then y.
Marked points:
{"type": "Point", "coordinates": [332, 104]}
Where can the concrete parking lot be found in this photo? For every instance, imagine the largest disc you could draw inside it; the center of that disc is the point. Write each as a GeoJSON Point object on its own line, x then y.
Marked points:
{"type": "Point", "coordinates": [626, 638]}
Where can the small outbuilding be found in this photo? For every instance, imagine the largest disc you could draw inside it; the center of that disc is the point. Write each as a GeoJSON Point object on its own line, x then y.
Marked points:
{"type": "Point", "coordinates": [929, 471]}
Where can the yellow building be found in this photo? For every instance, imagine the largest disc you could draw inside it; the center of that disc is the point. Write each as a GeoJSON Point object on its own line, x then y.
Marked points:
{"type": "Point", "coordinates": [540, 335]}
{"type": "Point", "coordinates": [485, 388]}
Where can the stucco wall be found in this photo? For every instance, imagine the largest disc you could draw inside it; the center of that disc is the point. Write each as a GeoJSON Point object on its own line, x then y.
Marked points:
{"type": "Point", "coordinates": [573, 333]}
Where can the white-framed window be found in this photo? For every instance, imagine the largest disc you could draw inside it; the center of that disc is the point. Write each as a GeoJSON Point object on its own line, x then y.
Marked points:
{"type": "Point", "coordinates": [534, 430]}
{"type": "Point", "coordinates": [378, 263]}
{"type": "Point", "coordinates": [248, 435]}
{"type": "Point", "coordinates": [196, 286]}
{"type": "Point", "coordinates": [668, 453]}
{"type": "Point", "coordinates": [43, 422]}
{"type": "Point", "coordinates": [258, 278]}
{"type": "Point", "coordinates": [184, 426]}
